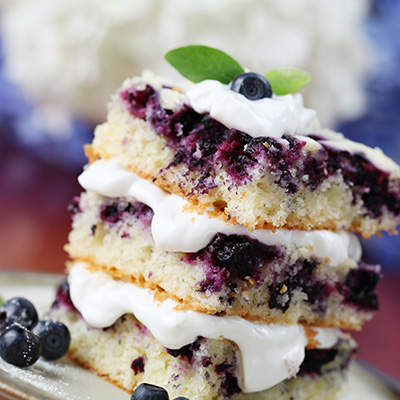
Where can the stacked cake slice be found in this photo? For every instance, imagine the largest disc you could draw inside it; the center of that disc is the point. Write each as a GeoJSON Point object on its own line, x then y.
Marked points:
{"type": "Point", "coordinates": [212, 251]}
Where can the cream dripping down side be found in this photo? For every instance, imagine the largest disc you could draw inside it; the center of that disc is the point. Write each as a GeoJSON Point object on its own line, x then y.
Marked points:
{"type": "Point", "coordinates": [174, 229]}
{"type": "Point", "coordinates": [268, 353]}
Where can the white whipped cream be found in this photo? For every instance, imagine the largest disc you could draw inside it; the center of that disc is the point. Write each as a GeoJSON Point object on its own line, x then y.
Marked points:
{"type": "Point", "coordinates": [276, 116]}
{"type": "Point", "coordinates": [176, 230]}
{"type": "Point", "coordinates": [268, 353]}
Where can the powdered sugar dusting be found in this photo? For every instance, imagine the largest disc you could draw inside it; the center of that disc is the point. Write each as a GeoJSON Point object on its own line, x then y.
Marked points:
{"type": "Point", "coordinates": [62, 379]}
{"type": "Point", "coordinates": [43, 375]}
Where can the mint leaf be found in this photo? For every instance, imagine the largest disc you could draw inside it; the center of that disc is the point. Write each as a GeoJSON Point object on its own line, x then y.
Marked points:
{"type": "Point", "coordinates": [287, 80]}
{"type": "Point", "coordinates": [198, 63]}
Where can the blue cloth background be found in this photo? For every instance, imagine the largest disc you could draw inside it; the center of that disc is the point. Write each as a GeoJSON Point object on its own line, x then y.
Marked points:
{"type": "Point", "coordinates": [380, 126]}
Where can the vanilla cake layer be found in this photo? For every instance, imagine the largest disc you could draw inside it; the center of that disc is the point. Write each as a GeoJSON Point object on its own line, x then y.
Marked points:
{"type": "Point", "coordinates": [312, 180]}
{"type": "Point", "coordinates": [233, 274]}
{"type": "Point", "coordinates": [127, 354]}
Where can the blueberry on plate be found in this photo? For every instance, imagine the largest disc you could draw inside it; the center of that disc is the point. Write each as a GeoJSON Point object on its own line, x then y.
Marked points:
{"type": "Point", "coordinates": [181, 398]}
{"type": "Point", "coordinates": [18, 310]}
{"type": "Point", "coordinates": [54, 337]}
{"type": "Point", "coordinates": [19, 346]}
{"type": "Point", "coordinates": [251, 85]}
{"type": "Point", "coordinates": [146, 391]}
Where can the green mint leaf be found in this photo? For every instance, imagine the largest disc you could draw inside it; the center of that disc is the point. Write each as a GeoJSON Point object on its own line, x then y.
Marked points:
{"type": "Point", "coordinates": [198, 63]}
{"type": "Point", "coordinates": [287, 80]}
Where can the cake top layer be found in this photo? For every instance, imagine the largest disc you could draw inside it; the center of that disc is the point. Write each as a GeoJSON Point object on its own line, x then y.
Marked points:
{"type": "Point", "coordinates": [275, 116]}
{"type": "Point", "coordinates": [245, 148]}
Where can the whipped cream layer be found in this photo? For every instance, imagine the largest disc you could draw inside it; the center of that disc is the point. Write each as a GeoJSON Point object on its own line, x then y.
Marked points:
{"type": "Point", "coordinates": [175, 229]}
{"type": "Point", "coordinates": [275, 116]}
{"type": "Point", "coordinates": [268, 353]}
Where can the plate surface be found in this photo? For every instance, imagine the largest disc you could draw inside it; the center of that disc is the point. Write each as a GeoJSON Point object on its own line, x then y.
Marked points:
{"type": "Point", "coordinates": [64, 379]}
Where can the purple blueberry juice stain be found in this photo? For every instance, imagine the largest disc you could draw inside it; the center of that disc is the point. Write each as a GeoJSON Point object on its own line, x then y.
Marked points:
{"type": "Point", "coordinates": [316, 359]}
{"type": "Point", "coordinates": [369, 183]}
{"type": "Point", "coordinates": [110, 213]}
{"type": "Point", "coordinates": [186, 352]}
{"type": "Point", "coordinates": [137, 365]}
{"type": "Point", "coordinates": [93, 229]}
{"type": "Point", "coordinates": [63, 298]}
{"type": "Point", "coordinates": [229, 384]}
{"type": "Point", "coordinates": [288, 281]}
{"type": "Point", "coordinates": [74, 206]}
{"type": "Point", "coordinates": [113, 212]}
{"type": "Point", "coordinates": [143, 331]}
{"type": "Point", "coordinates": [230, 259]}
{"type": "Point", "coordinates": [145, 104]}
{"type": "Point", "coordinates": [359, 288]}
{"type": "Point", "coordinates": [206, 361]}
{"type": "Point", "coordinates": [203, 145]}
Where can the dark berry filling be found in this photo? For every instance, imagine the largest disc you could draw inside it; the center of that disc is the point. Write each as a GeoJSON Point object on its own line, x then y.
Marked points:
{"type": "Point", "coordinates": [138, 365]}
{"type": "Point", "coordinates": [74, 207]}
{"type": "Point", "coordinates": [145, 104]}
{"type": "Point", "coordinates": [203, 145]}
{"type": "Point", "coordinates": [369, 183]}
{"type": "Point", "coordinates": [115, 212]}
{"type": "Point", "coordinates": [186, 352]}
{"type": "Point", "coordinates": [299, 276]}
{"type": "Point", "coordinates": [316, 359]}
{"type": "Point", "coordinates": [229, 383]}
{"type": "Point", "coordinates": [229, 259]}
{"type": "Point", "coordinates": [63, 297]}
{"type": "Point", "coordinates": [359, 287]}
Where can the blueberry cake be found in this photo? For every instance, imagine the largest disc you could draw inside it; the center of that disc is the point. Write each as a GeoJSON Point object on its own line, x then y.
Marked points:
{"type": "Point", "coordinates": [288, 173]}
{"type": "Point", "coordinates": [214, 250]}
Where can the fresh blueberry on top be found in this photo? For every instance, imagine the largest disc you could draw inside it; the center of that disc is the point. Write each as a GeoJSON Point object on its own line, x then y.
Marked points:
{"type": "Point", "coordinates": [147, 391]}
{"type": "Point", "coordinates": [18, 310]}
{"type": "Point", "coordinates": [55, 338]}
{"type": "Point", "coordinates": [19, 346]}
{"type": "Point", "coordinates": [251, 85]}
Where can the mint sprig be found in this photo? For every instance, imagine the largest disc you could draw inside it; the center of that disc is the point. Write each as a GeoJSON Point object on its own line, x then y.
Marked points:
{"type": "Point", "coordinates": [287, 80]}
{"type": "Point", "coordinates": [198, 63]}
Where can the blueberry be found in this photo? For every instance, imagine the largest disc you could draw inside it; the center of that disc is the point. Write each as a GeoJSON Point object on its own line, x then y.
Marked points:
{"type": "Point", "coordinates": [19, 346]}
{"type": "Point", "coordinates": [251, 85]}
{"type": "Point", "coordinates": [146, 391]}
{"type": "Point", "coordinates": [18, 310]}
{"type": "Point", "coordinates": [181, 398]}
{"type": "Point", "coordinates": [54, 337]}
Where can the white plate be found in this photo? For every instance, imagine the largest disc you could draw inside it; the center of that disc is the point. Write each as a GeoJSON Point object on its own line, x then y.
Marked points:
{"type": "Point", "coordinates": [63, 379]}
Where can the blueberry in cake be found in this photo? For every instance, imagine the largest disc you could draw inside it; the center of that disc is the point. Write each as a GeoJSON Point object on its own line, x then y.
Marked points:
{"type": "Point", "coordinates": [214, 252]}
